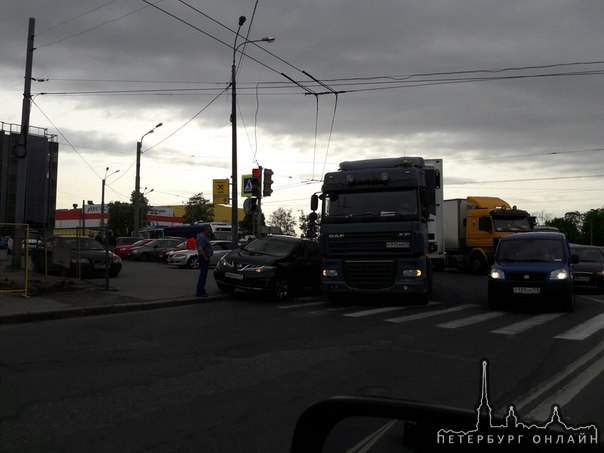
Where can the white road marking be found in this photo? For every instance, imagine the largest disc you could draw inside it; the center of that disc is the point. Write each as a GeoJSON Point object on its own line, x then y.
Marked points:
{"type": "Point", "coordinates": [527, 324]}
{"type": "Point", "coordinates": [375, 311]}
{"type": "Point", "coordinates": [368, 442]}
{"type": "Point", "coordinates": [431, 313]}
{"type": "Point", "coordinates": [583, 330]}
{"type": "Point", "coordinates": [308, 304]}
{"type": "Point", "coordinates": [471, 320]}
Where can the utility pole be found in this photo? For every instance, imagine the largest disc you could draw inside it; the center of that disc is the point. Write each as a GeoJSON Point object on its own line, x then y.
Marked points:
{"type": "Point", "coordinates": [21, 148]}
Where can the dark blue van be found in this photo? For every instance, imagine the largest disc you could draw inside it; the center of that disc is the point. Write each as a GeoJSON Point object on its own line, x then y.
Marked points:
{"type": "Point", "coordinates": [530, 267]}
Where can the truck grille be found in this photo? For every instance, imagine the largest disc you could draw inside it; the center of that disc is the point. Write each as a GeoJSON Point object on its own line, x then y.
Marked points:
{"type": "Point", "coordinates": [367, 274]}
{"type": "Point", "coordinates": [389, 243]}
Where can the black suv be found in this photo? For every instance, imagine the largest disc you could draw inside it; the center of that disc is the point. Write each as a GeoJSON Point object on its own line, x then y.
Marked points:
{"type": "Point", "coordinates": [275, 264]}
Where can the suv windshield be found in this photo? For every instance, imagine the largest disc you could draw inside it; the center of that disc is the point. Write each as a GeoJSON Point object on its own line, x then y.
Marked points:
{"type": "Point", "coordinates": [531, 250]}
{"type": "Point", "coordinates": [270, 246]}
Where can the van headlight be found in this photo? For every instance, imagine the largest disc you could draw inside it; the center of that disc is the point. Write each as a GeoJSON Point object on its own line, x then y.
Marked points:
{"type": "Point", "coordinates": [497, 274]}
{"type": "Point", "coordinates": [559, 274]}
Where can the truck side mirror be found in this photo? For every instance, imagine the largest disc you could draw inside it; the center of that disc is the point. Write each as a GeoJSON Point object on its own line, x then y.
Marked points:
{"type": "Point", "coordinates": [314, 202]}
{"type": "Point", "coordinates": [574, 258]}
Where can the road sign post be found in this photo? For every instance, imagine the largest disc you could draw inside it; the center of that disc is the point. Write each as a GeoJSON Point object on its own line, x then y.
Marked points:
{"type": "Point", "coordinates": [220, 191]}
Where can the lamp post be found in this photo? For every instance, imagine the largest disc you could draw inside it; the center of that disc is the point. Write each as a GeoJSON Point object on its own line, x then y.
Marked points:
{"type": "Point", "coordinates": [142, 216]}
{"type": "Point", "coordinates": [137, 181]}
{"type": "Point", "coordinates": [234, 210]}
{"type": "Point", "coordinates": [106, 238]}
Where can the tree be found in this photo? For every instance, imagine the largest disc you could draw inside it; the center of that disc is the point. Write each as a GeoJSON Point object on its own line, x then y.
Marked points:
{"type": "Point", "coordinates": [121, 215]}
{"type": "Point", "coordinates": [246, 226]}
{"type": "Point", "coordinates": [309, 229]}
{"type": "Point", "coordinates": [121, 219]}
{"type": "Point", "coordinates": [570, 225]}
{"type": "Point", "coordinates": [198, 209]}
{"type": "Point", "coordinates": [283, 219]}
{"type": "Point", "coordinates": [592, 230]}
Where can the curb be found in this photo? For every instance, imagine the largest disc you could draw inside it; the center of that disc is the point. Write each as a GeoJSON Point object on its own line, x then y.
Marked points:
{"type": "Point", "coordinates": [95, 310]}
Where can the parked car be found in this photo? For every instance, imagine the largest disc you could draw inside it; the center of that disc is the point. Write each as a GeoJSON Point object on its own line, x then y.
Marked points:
{"type": "Point", "coordinates": [589, 271]}
{"type": "Point", "coordinates": [123, 250]}
{"type": "Point", "coordinates": [278, 265]}
{"type": "Point", "coordinates": [189, 258]}
{"type": "Point", "coordinates": [164, 254]}
{"type": "Point", "coordinates": [531, 267]}
{"type": "Point", "coordinates": [151, 250]}
{"type": "Point", "coordinates": [75, 256]}
{"type": "Point", "coordinates": [32, 243]}
{"type": "Point", "coordinates": [125, 240]}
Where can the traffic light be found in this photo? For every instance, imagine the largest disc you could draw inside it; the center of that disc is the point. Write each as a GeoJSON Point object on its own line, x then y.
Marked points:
{"type": "Point", "coordinates": [267, 189]}
{"type": "Point", "coordinates": [253, 205]}
{"type": "Point", "coordinates": [256, 182]}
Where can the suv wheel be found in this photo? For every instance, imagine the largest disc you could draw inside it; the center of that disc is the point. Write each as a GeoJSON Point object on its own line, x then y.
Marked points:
{"type": "Point", "coordinates": [281, 289]}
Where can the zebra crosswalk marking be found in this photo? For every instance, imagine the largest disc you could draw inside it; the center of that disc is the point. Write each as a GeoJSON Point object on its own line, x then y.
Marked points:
{"type": "Point", "coordinates": [375, 311]}
{"type": "Point", "coordinates": [583, 330]}
{"type": "Point", "coordinates": [431, 313]}
{"type": "Point", "coordinates": [471, 320]}
{"type": "Point", "coordinates": [527, 324]}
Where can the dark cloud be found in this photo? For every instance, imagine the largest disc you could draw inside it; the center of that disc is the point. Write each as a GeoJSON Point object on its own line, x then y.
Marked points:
{"type": "Point", "coordinates": [148, 62]}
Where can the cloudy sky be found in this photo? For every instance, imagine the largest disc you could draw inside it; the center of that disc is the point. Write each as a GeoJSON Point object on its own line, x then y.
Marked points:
{"type": "Point", "coordinates": [509, 94]}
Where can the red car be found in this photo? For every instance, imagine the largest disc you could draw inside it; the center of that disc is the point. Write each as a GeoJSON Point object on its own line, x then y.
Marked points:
{"type": "Point", "coordinates": [122, 250]}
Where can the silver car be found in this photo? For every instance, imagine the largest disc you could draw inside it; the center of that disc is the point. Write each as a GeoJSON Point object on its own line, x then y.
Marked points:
{"type": "Point", "coordinates": [189, 258]}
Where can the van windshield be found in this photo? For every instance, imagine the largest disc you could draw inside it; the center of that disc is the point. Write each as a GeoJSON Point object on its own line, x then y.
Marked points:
{"type": "Point", "coordinates": [531, 250]}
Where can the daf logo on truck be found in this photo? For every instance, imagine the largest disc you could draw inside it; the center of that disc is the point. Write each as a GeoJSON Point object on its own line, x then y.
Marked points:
{"type": "Point", "coordinates": [336, 236]}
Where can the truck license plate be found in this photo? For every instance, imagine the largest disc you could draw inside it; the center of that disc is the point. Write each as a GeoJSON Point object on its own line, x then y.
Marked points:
{"type": "Point", "coordinates": [524, 290]}
{"type": "Point", "coordinates": [397, 245]}
{"type": "Point", "coordinates": [580, 278]}
{"type": "Point", "coordinates": [232, 275]}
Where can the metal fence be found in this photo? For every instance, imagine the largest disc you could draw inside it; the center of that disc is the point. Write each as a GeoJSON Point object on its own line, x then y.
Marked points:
{"type": "Point", "coordinates": [15, 264]}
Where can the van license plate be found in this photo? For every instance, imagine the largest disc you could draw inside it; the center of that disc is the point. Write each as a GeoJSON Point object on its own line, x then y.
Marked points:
{"type": "Point", "coordinates": [232, 275]}
{"type": "Point", "coordinates": [524, 290]}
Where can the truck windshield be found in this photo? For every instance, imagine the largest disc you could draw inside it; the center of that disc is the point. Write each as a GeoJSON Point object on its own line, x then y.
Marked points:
{"type": "Point", "coordinates": [372, 206]}
{"type": "Point", "coordinates": [512, 224]}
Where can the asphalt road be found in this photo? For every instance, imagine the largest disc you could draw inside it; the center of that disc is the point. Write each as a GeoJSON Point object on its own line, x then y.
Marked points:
{"type": "Point", "coordinates": [233, 375]}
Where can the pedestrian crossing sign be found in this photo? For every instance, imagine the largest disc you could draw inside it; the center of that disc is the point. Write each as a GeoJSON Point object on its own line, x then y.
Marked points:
{"type": "Point", "coordinates": [246, 185]}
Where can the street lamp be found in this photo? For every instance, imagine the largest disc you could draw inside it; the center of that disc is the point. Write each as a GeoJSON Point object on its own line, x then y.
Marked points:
{"type": "Point", "coordinates": [142, 216]}
{"type": "Point", "coordinates": [137, 181]}
{"type": "Point", "coordinates": [106, 240]}
{"type": "Point", "coordinates": [234, 210]}
{"type": "Point", "coordinates": [103, 195]}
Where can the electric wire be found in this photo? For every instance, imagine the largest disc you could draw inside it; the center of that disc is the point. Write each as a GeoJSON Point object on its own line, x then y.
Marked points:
{"type": "Point", "coordinates": [76, 17]}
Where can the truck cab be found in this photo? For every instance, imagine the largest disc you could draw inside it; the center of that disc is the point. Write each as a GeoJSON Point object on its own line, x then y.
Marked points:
{"type": "Point", "coordinates": [374, 227]}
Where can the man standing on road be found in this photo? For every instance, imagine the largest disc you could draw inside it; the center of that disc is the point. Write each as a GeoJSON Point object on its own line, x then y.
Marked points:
{"type": "Point", "coordinates": [204, 251]}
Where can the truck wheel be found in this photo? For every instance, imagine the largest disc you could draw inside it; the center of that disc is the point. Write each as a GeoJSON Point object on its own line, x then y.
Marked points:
{"type": "Point", "coordinates": [477, 264]}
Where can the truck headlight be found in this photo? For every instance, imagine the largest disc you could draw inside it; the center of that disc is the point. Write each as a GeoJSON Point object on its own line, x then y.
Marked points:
{"type": "Point", "coordinates": [559, 274]}
{"type": "Point", "coordinates": [330, 273]}
{"type": "Point", "coordinates": [412, 273]}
